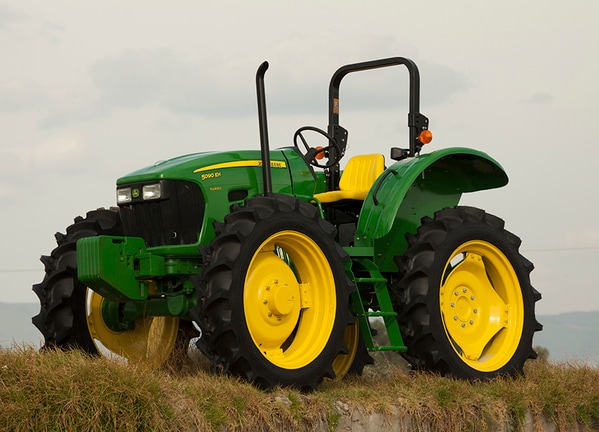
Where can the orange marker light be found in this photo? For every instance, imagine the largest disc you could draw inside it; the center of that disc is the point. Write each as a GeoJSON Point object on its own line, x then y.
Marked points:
{"type": "Point", "coordinates": [319, 155]}
{"type": "Point", "coordinates": [425, 136]}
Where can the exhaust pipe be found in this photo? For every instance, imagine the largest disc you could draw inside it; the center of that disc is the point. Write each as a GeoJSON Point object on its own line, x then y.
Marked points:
{"type": "Point", "coordinates": [263, 125]}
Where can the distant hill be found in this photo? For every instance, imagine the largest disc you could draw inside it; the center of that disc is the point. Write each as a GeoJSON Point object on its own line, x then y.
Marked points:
{"type": "Point", "coordinates": [569, 336]}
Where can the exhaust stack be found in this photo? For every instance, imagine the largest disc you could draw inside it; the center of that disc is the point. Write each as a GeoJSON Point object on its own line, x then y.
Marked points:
{"type": "Point", "coordinates": [263, 125]}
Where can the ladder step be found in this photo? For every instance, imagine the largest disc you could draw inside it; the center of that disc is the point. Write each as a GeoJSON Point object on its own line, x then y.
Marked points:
{"type": "Point", "coordinates": [371, 280]}
{"type": "Point", "coordinates": [380, 314]}
{"type": "Point", "coordinates": [371, 284]}
{"type": "Point", "coordinates": [396, 348]}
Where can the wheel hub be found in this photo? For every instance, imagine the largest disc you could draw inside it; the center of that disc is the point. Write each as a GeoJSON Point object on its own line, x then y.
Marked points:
{"type": "Point", "coordinates": [272, 297]}
{"type": "Point", "coordinates": [280, 298]}
{"type": "Point", "coordinates": [464, 307]}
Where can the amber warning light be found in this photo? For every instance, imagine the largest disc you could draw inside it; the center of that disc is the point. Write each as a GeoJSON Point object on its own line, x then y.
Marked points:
{"type": "Point", "coordinates": [320, 154]}
{"type": "Point", "coordinates": [425, 136]}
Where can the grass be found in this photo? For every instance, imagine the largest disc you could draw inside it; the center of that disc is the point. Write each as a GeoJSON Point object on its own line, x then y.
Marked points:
{"type": "Point", "coordinates": [58, 391]}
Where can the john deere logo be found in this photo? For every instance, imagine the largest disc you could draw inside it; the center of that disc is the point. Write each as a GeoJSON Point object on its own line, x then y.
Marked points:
{"type": "Point", "coordinates": [135, 193]}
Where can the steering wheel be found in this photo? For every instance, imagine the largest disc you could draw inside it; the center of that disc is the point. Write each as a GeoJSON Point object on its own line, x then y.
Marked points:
{"type": "Point", "coordinates": [311, 153]}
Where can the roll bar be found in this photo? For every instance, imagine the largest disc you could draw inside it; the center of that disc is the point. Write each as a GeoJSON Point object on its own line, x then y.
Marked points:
{"type": "Point", "coordinates": [416, 121]}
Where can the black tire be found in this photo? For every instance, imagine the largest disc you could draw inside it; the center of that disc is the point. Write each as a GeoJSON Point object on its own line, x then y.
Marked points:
{"type": "Point", "coordinates": [270, 241]}
{"type": "Point", "coordinates": [65, 311]}
{"type": "Point", "coordinates": [461, 271]}
{"type": "Point", "coordinates": [62, 318]}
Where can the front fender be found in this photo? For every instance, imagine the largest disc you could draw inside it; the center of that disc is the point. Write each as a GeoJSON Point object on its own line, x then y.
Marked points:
{"type": "Point", "coordinates": [413, 188]}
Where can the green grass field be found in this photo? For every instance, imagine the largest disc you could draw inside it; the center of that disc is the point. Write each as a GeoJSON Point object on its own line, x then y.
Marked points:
{"type": "Point", "coordinates": [58, 391]}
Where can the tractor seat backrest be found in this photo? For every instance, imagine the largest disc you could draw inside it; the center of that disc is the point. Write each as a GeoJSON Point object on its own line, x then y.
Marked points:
{"type": "Point", "coordinates": [357, 178]}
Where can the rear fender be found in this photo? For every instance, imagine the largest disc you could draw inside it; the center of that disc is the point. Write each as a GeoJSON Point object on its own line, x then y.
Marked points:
{"type": "Point", "coordinates": [413, 188]}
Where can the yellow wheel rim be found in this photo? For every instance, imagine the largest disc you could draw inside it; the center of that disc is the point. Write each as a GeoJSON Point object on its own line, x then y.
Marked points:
{"type": "Point", "coordinates": [149, 344]}
{"type": "Point", "coordinates": [289, 299]}
{"type": "Point", "coordinates": [351, 339]}
{"type": "Point", "coordinates": [482, 306]}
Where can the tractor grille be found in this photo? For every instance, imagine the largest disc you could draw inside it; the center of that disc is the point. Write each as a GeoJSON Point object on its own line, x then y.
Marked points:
{"type": "Point", "coordinates": [174, 219]}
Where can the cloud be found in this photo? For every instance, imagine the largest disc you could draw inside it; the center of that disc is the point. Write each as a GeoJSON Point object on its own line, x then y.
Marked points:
{"type": "Point", "coordinates": [51, 32]}
{"type": "Point", "coordinates": [215, 86]}
{"type": "Point", "coordinates": [41, 155]}
{"type": "Point", "coordinates": [163, 77]}
{"type": "Point", "coordinates": [540, 99]}
{"type": "Point", "coordinates": [21, 95]}
{"type": "Point", "coordinates": [441, 83]}
{"type": "Point", "coordinates": [13, 175]}
{"type": "Point", "coordinates": [9, 15]}
{"type": "Point", "coordinates": [55, 150]}
{"type": "Point", "coordinates": [7, 191]}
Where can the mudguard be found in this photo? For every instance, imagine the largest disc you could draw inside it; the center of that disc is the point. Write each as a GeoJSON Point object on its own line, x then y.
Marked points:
{"type": "Point", "coordinates": [413, 188]}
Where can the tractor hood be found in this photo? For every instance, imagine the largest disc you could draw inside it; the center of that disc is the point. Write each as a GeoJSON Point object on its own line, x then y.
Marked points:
{"type": "Point", "coordinates": [192, 166]}
{"type": "Point", "coordinates": [201, 188]}
{"type": "Point", "coordinates": [216, 171]}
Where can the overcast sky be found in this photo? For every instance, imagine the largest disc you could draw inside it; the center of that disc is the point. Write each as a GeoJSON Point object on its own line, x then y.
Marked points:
{"type": "Point", "coordinates": [90, 91]}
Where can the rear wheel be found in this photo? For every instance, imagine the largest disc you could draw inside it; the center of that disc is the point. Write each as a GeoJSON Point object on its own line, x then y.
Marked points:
{"type": "Point", "coordinates": [466, 305]}
{"type": "Point", "coordinates": [71, 314]}
{"type": "Point", "coordinates": [274, 306]}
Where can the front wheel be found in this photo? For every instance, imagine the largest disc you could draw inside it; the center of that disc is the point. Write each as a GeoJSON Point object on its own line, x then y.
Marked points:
{"type": "Point", "coordinates": [274, 296]}
{"type": "Point", "coordinates": [465, 302]}
{"type": "Point", "coordinates": [71, 315]}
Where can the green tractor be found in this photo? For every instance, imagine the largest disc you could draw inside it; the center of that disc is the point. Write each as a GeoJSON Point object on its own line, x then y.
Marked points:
{"type": "Point", "coordinates": [276, 262]}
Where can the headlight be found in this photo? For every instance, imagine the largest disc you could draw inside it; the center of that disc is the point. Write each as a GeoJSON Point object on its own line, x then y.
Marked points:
{"type": "Point", "coordinates": [123, 195]}
{"type": "Point", "coordinates": [152, 191]}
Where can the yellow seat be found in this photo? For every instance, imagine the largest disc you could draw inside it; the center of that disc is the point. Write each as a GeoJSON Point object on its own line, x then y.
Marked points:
{"type": "Point", "coordinates": [357, 178]}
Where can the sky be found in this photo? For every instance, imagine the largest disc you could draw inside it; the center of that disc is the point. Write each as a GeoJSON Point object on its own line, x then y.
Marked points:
{"type": "Point", "coordinates": [90, 91]}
